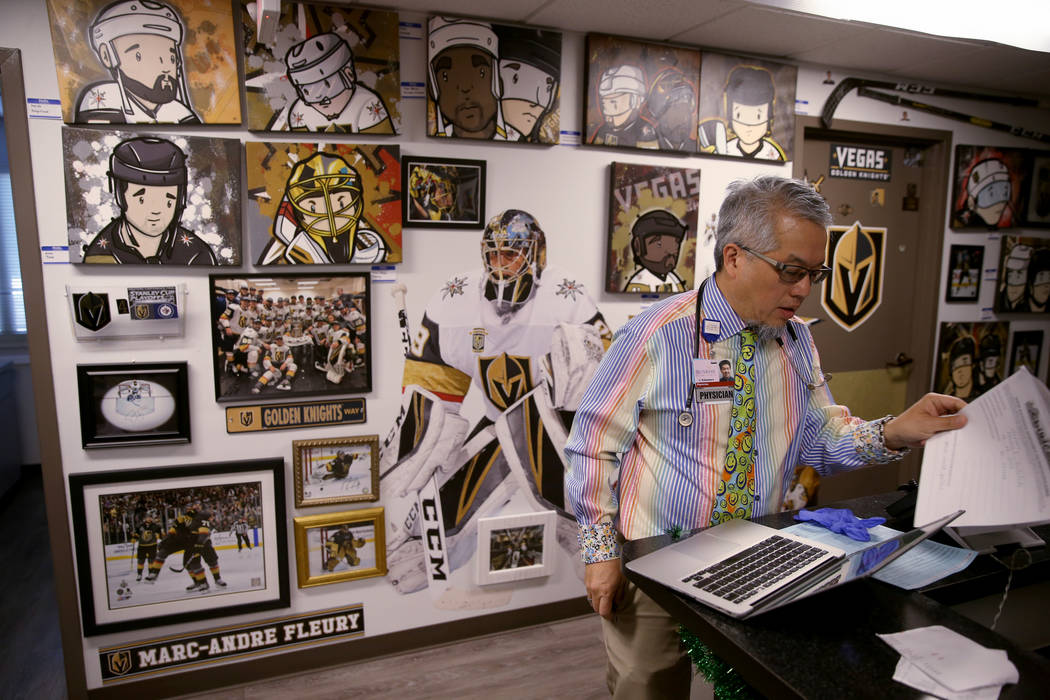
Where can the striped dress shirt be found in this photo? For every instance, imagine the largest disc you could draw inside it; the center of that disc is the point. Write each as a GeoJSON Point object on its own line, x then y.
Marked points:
{"type": "Point", "coordinates": [634, 469]}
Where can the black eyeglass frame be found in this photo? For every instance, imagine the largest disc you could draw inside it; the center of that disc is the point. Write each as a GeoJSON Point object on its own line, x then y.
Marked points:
{"type": "Point", "coordinates": [791, 274]}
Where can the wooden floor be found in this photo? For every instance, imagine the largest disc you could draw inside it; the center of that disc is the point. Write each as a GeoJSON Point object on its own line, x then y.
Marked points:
{"type": "Point", "coordinates": [31, 665]}
{"type": "Point", "coordinates": [564, 659]}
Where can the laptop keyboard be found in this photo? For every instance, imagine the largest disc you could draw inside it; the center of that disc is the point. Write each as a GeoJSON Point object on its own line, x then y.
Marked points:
{"type": "Point", "coordinates": [755, 569]}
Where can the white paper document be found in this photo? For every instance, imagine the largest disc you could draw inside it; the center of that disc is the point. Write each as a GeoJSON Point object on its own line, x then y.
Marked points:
{"type": "Point", "coordinates": [997, 468]}
{"type": "Point", "coordinates": [938, 656]}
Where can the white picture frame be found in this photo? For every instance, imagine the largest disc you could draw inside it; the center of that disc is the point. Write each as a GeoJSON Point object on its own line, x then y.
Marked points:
{"type": "Point", "coordinates": [516, 547]}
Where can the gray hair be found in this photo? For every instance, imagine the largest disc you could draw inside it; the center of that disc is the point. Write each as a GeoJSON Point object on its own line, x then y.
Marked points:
{"type": "Point", "coordinates": [749, 211]}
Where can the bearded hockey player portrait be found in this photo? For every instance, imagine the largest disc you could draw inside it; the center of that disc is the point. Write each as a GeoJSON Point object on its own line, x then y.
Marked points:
{"type": "Point", "coordinates": [493, 373]}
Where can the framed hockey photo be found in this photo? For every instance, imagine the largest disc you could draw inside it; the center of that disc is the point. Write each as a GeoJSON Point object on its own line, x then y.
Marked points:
{"type": "Point", "coordinates": [516, 547]}
{"type": "Point", "coordinates": [340, 546]}
{"type": "Point", "coordinates": [1023, 284]}
{"type": "Point", "coordinates": [137, 404]}
{"type": "Point", "coordinates": [443, 192]}
{"type": "Point", "coordinates": [166, 545]}
{"type": "Point", "coordinates": [336, 470]}
{"type": "Point", "coordinates": [1038, 209]}
{"type": "Point", "coordinates": [291, 335]}
{"type": "Point", "coordinates": [965, 266]}
{"type": "Point", "coordinates": [989, 185]}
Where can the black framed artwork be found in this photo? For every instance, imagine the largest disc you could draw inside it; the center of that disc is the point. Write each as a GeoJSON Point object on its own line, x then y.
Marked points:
{"type": "Point", "coordinates": [965, 263]}
{"type": "Point", "coordinates": [142, 535]}
{"type": "Point", "coordinates": [443, 192]}
{"type": "Point", "coordinates": [279, 336]}
{"type": "Point", "coordinates": [133, 404]}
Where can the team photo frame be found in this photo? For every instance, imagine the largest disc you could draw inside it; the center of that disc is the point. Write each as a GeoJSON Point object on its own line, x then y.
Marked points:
{"type": "Point", "coordinates": [516, 547]}
{"type": "Point", "coordinates": [142, 535]}
{"type": "Point", "coordinates": [342, 546]}
{"type": "Point", "coordinates": [285, 336]}
{"type": "Point", "coordinates": [336, 470]}
{"type": "Point", "coordinates": [443, 192]}
{"type": "Point", "coordinates": [133, 404]}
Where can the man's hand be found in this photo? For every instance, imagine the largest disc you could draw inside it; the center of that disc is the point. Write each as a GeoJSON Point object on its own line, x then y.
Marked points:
{"type": "Point", "coordinates": [603, 580]}
{"type": "Point", "coordinates": [932, 414]}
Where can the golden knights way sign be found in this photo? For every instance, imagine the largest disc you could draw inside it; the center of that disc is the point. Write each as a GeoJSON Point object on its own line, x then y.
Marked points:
{"type": "Point", "coordinates": [248, 419]}
{"type": "Point", "coordinates": [853, 290]}
{"type": "Point", "coordinates": [225, 643]}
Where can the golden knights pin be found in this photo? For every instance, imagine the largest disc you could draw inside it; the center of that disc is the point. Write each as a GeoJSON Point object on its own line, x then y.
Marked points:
{"type": "Point", "coordinates": [853, 290]}
{"type": "Point", "coordinates": [477, 339]}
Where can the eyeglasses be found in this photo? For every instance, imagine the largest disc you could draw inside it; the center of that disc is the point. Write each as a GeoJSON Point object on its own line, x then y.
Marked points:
{"type": "Point", "coordinates": [792, 274]}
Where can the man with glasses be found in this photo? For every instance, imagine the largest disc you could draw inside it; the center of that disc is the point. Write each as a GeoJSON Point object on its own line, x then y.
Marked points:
{"type": "Point", "coordinates": [646, 458]}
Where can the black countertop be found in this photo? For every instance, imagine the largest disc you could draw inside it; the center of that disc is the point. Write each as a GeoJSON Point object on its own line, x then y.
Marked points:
{"type": "Point", "coordinates": [825, 646]}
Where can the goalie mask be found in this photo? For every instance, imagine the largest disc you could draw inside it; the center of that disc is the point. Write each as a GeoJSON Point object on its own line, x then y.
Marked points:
{"type": "Point", "coordinates": [514, 251]}
{"type": "Point", "coordinates": [325, 194]}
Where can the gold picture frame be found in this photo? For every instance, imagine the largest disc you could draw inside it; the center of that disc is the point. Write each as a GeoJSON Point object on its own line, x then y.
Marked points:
{"type": "Point", "coordinates": [326, 553]}
{"type": "Point", "coordinates": [336, 470]}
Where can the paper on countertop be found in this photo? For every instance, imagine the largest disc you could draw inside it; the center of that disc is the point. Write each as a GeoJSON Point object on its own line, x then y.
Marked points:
{"type": "Point", "coordinates": [909, 674]}
{"type": "Point", "coordinates": [997, 467]}
{"type": "Point", "coordinates": [918, 567]}
{"type": "Point", "coordinates": [951, 659]}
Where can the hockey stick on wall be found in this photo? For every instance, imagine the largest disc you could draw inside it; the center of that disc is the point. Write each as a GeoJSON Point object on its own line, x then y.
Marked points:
{"type": "Point", "coordinates": [864, 89]}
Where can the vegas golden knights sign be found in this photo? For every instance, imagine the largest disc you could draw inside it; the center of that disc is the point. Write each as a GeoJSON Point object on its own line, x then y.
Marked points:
{"type": "Point", "coordinates": [853, 290]}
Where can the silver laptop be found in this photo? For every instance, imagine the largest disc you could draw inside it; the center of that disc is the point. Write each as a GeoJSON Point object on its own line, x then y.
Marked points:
{"type": "Point", "coordinates": [743, 569]}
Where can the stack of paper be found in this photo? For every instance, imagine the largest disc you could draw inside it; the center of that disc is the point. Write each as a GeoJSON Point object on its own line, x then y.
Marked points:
{"type": "Point", "coordinates": [997, 467]}
{"type": "Point", "coordinates": [941, 662]}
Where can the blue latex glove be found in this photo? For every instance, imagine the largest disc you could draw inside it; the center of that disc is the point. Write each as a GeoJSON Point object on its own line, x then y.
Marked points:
{"type": "Point", "coordinates": [841, 520]}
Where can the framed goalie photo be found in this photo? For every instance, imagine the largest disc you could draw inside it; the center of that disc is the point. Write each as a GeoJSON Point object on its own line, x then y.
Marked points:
{"type": "Point", "coordinates": [340, 546]}
{"type": "Point", "coordinates": [166, 545]}
{"type": "Point", "coordinates": [516, 547]}
{"type": "Point", "coordinates": [336, 470]}
{"type": "Point", "coordinates": [284, 336]}
{"type": "Point", "coordinates": [141, 404]}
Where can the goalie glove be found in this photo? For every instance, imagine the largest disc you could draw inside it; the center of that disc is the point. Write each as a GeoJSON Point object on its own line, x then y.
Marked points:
{"type": "Point", "coordinates": [576, 351]}
{"type": "Point", "coordinates": [406, 568]}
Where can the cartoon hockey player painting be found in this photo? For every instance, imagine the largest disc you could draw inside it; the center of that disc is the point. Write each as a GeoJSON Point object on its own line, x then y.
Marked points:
{"type": "Point", "coordinates": [146, 61]}
{"type": "Point", "coordinates": [313, 206]}
{"type": "Point", "coordinates": [652, 228]}
{"type": "Point", "coordinates": [470, 83]}
{"type": "Point", "coordinates": [746, 107]}
{"type": "Point", "coordinates": [147, 200]}
{"type": "Point", "coordinates": [327, 69]}
{"type": "Point", "coordinates": [641, 95]}
{"type": "Point", "coordinates": [988, 185]}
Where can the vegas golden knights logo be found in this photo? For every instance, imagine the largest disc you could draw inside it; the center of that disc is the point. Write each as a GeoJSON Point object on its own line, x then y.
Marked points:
{"type": "Point", "coordinates": [141, 311]}
{"type": "Point", "coordinates": [120, 662]}
{"type": "Point", "coordinates": [477, 339]}
{"type": "Point", "coordinates": [247, 417]}
{"type": "Point", "coordinates": [506, 378]}
{"type": "Point", "coordinates": [853, 290]}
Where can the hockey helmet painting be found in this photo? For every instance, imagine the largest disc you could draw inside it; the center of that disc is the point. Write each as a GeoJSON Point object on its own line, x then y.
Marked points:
{"type": "Point", "coordinates": [91, 310]}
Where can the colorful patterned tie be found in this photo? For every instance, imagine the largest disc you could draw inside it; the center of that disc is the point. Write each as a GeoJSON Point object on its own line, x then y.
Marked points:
{"type": "Point", "coordinates": [736, 489]}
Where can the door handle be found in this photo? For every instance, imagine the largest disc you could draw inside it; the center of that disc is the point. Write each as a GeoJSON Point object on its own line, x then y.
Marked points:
{"type": "Point", "coordinates": [900, 367]}
{"type": "Point", "coordinates": [902, 360]}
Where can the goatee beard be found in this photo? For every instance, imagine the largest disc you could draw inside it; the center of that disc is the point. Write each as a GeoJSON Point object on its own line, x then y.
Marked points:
{"type": "Point", "coordinates": [163, 89]}
{"type": "Point", "coordinates": [764, 331]}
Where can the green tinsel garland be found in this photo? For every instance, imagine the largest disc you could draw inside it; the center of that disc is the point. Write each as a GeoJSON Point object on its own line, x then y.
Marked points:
{"type": "Point", "coordinates": [726, 682]}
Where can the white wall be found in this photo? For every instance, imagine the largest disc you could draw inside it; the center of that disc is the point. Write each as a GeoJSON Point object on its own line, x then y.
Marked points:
{"type": "Point", "coordinates": [565, 187]}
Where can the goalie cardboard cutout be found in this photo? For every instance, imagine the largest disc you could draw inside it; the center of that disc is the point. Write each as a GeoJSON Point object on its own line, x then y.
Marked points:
{"type": "Point", "coordinates": [493, 374]}
{"type": "Point", "coordinates": [328, 69]}
{"type": "Point", "coordinates": [138, 199]}
{"type": "Point", "coordinates": [146, 61]}
{"type": "Point", "coordinates": [322, 204]}
{"type": "Point", "coordinates": [652, 228]}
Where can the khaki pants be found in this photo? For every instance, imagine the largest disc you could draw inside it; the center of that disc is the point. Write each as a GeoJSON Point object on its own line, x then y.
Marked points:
{"type": "Point", "coordinates": [646, 659]}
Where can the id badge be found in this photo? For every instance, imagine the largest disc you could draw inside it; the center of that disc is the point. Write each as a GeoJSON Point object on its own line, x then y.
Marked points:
{"type": "Point", "coordinates": [712, 380]}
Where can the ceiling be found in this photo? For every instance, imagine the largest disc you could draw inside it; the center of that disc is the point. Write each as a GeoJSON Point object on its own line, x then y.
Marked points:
{"type": "Point", "coordinates": [744, 27]}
